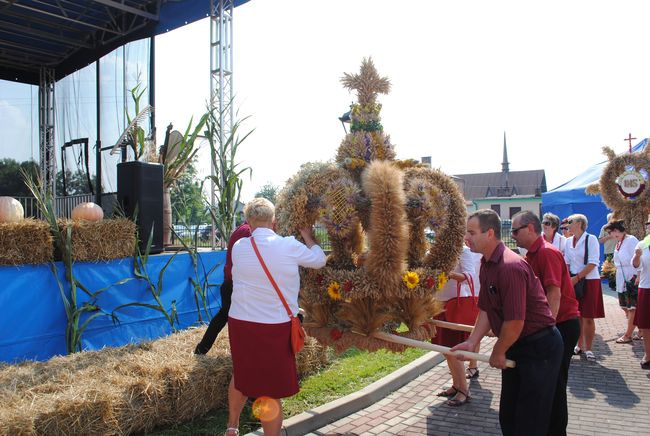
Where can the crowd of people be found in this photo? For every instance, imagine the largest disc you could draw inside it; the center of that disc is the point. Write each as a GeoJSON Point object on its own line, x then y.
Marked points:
{"type": "Point", "coordinates": [541, 307]}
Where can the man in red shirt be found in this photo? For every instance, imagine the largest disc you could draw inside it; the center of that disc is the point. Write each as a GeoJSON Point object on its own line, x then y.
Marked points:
{"type": "Point", "coordinates": [550, 267]}
{"type": "Point", "coordinates": [221, 318]}
{"type": "Point", "coordinates": [513, 304]}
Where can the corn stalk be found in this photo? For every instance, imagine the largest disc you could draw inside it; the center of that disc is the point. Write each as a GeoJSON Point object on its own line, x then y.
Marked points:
{"type": "Point", "coordinates": [226, 179]}
{"type": "Point", "coordinates": [79, 316]}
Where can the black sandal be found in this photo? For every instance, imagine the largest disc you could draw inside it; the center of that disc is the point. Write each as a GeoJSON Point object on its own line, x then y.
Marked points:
{"type": "Point", "coordinates": [457, 403]}
{"type": "Point", "coordinates": [449, 392]}
{"type": "Point", "coordinates": [471, 373]}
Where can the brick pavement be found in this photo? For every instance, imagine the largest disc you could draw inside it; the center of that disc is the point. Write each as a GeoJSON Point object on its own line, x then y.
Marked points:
{"type": "Point", "coordinates": [609, 396]}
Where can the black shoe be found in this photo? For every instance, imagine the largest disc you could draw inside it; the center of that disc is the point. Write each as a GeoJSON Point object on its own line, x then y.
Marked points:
{"type": "Point", "coordinates": [645, 365]}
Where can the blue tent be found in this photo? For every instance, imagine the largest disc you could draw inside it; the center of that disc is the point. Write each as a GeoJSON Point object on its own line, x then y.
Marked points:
{"type": "Point", "coordinates": [571, 198]}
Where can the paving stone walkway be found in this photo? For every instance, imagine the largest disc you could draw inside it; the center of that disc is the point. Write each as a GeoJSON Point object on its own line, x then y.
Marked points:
{"type": "Point", "coordinates": [609, 396]}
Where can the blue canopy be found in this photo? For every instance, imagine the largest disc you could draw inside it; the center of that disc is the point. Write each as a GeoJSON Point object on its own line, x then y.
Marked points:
{"type": "Point", "coordinates": [571, 198]}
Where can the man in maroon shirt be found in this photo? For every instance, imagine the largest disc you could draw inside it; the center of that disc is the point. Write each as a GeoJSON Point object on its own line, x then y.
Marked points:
{"type": "Point", "coordinates": [513, 304]}
{"type": "Point", "coordinates": [221, 318]}
{"type": "Point", "coordinates": [550, 267]}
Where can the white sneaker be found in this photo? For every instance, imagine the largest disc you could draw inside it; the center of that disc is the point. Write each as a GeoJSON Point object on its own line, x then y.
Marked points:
{"type": "Point", "coordinates": [590, 355]}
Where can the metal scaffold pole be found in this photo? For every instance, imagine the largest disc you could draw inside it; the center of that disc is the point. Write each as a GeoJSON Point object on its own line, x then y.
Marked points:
{"type": "Point", "coordinates": [46, 130]}
{"type": "Point", "coordinates": [221, 83]}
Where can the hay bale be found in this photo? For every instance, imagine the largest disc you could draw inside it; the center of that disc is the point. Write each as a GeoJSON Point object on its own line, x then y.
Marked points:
{"type": "Point", "coordinates": [124, 390]}
{"type": "Point", "coordinates": [27, 241]}
{"type": "Point", "coordinates": [103, 240]}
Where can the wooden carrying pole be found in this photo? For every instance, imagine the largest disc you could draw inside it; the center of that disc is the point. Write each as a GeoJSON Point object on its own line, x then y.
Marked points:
{"type": "Point", "coordinates": [439, 348]}
{"type": "Point", "coordinates": [452, 326]}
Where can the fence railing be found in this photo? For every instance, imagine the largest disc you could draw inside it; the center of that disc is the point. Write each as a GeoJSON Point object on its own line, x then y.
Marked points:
{"type": "Point", "coordinates": [64, 205]}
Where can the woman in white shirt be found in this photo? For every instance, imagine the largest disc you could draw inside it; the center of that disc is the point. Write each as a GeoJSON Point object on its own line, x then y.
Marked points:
{"type": "Point", "coordinates": [460, 291]}
{"type": "Point", "coordinates": [259, 326]}
{"type": "Point", "coordinates": [550, 229]}
{"type": "Point", "coordinates": [623, 253]}
{"type": "Point", "coordinates": [591, 304]}
{"type": "Point", "coordinates": [641, 260]}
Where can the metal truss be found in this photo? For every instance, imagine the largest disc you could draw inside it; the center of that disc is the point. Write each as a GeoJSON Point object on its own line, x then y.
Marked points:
{"type": "Point", "coordinates": [221, 77]}
{"type": "Point", "coordinates": [46, 129]}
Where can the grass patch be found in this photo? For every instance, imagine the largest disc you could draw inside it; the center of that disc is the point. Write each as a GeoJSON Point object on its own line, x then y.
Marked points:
{"type": "Point", "coordinates": [349, 372]}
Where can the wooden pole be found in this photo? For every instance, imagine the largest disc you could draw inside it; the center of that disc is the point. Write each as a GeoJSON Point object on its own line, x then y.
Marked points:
{"type": "Point", "coordinates": [439, 348]}
{"type": "Point", "coordinates": [452, 326]}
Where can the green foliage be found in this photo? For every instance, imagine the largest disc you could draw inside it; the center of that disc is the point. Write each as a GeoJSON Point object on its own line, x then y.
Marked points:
{"type": "Point", "coordinates": [75, 183]}
{"type": "Point", "coordinates": [11, 182]}
{"type": "Point", "coordinates": [187, 198]}
{"type": "Point", "coordinates": [140, 261]}
{"type": "Point", "coordinates": [226, 179]}
{"type": "Point", "coordinates": [268, 191]}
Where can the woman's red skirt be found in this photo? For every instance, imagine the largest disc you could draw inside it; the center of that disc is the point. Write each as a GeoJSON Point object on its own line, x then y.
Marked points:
{"type": "Point", "coordinates": [447, 337]}
{"type": "Point", "coordinates": [591, 304]}
{"type": "Point", "coordinates": [262, 360]}
{"type": "Point", "coordinates": [642, 314]}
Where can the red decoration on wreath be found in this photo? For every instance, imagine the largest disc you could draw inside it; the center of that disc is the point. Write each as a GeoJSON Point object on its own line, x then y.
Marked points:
{"type": "Point", "coordinates": [347, 286]}
{"type": "Point", "coordinates": [430, 282]}
{"type": "Point", "coordinates": [336, 334]}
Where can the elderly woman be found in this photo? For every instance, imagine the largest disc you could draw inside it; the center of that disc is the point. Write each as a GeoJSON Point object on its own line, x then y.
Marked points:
{"type": "Point", "coordinates": [625, 272]}
{"type": "Point", "coordinates": [641, 260]}
{"type": "Point", "coordinates": [582, 254]}
{"type": "Point", "coordinates": [259, 327]}
{"type": "Point", "coordinates": [550, 229]}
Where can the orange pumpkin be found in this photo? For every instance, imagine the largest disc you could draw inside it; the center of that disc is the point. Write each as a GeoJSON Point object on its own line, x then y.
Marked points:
{"type": "Point", "coordinates": [11, 210]}
{"type": "Point", "coordinates": [88, 212]}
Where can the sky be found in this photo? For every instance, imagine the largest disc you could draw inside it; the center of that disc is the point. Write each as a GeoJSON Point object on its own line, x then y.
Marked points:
{"type": "Point", "coordinates": [561, 79]}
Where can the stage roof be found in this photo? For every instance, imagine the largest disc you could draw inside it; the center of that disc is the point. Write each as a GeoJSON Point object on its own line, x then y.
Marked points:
{"type": "Point", "coordinates": [67, 35]}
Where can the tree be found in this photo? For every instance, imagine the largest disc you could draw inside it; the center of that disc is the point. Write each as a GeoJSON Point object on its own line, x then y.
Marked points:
{"type": "Point", "coordinates": [187, 200]}
{"type": "Point", "coordinates": [11, 181]}
{"type": "Point", "coordinates": [75, 183]}
{"type": "Point", "coordinates": [268, 191]}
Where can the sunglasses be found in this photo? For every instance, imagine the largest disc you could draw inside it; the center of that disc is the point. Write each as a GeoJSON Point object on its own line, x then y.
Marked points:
{"type": "Point", "coordinates": [514, 231]}
{"type": "Point", "coordinates": [648, 223]}
{"type": "Point", "coordinates": [547, 223]}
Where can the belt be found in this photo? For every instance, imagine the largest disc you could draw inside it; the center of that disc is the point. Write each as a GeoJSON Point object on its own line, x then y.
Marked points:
{"type": "Point", "coordinates": [534, 336]}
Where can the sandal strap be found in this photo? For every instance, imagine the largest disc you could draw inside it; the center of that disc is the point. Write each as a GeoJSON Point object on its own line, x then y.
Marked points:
{"type": "Point", "coordinates": [232, 429]}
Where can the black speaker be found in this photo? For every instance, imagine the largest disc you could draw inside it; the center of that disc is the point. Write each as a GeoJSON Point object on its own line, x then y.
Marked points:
{"type": "Point", "coordinates": [140, 190]}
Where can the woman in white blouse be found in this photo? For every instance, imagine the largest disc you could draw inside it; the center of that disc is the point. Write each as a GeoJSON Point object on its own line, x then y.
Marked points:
{"type": "Point", "coordinates": [259, 326]}
{"type": "Point", "coordinates": [550, 228]}
{"type": "Point", "coordinates": [641, 260]}
{"type": "Point", "coordinates": [461, 290]}
{"type": "Point", "coordinates": [591, 304]}
{"type": "Point", "coordinates": [623, 253]}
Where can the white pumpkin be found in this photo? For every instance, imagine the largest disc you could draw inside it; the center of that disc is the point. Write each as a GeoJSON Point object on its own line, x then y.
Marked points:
{"type": "Point", "coordinates": [11, 210]}
{"type": "Point", "coordinates": [87, 212]}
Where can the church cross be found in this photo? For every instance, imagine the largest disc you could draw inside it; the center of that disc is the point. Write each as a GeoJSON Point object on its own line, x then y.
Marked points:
{"type": "Point", "coordinates": [629, 140]}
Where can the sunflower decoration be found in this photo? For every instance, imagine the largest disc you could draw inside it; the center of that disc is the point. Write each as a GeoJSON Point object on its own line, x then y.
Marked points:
{"type": "Point", "coordinates": [411, 279]}
{"type": "Point", "coordinates": [334, 291]}
{"type": "Point", "coordinates": [383, 270]}
{"type": "Point", "coordinates": [442, 280]}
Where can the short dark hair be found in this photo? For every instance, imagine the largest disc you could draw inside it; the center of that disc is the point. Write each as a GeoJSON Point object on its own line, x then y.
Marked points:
{"type": "Point", "coordinates": [488, 219]}
{"type": "Point", "coordinates": [615, 225]}
{"type": "Point", "coordinates": [527, 217]}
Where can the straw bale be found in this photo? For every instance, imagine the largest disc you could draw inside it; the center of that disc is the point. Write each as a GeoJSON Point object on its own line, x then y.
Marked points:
{"type": "Point", "coordinates": [123, 390]}
{"type": "Point", "coordinates": [27, 241]}
{"type": "Point", "coordinates": [101, 240]}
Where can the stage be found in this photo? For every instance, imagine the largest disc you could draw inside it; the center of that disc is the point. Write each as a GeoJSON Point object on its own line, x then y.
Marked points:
{"type": "Point", "coordinates": [33, 321]}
